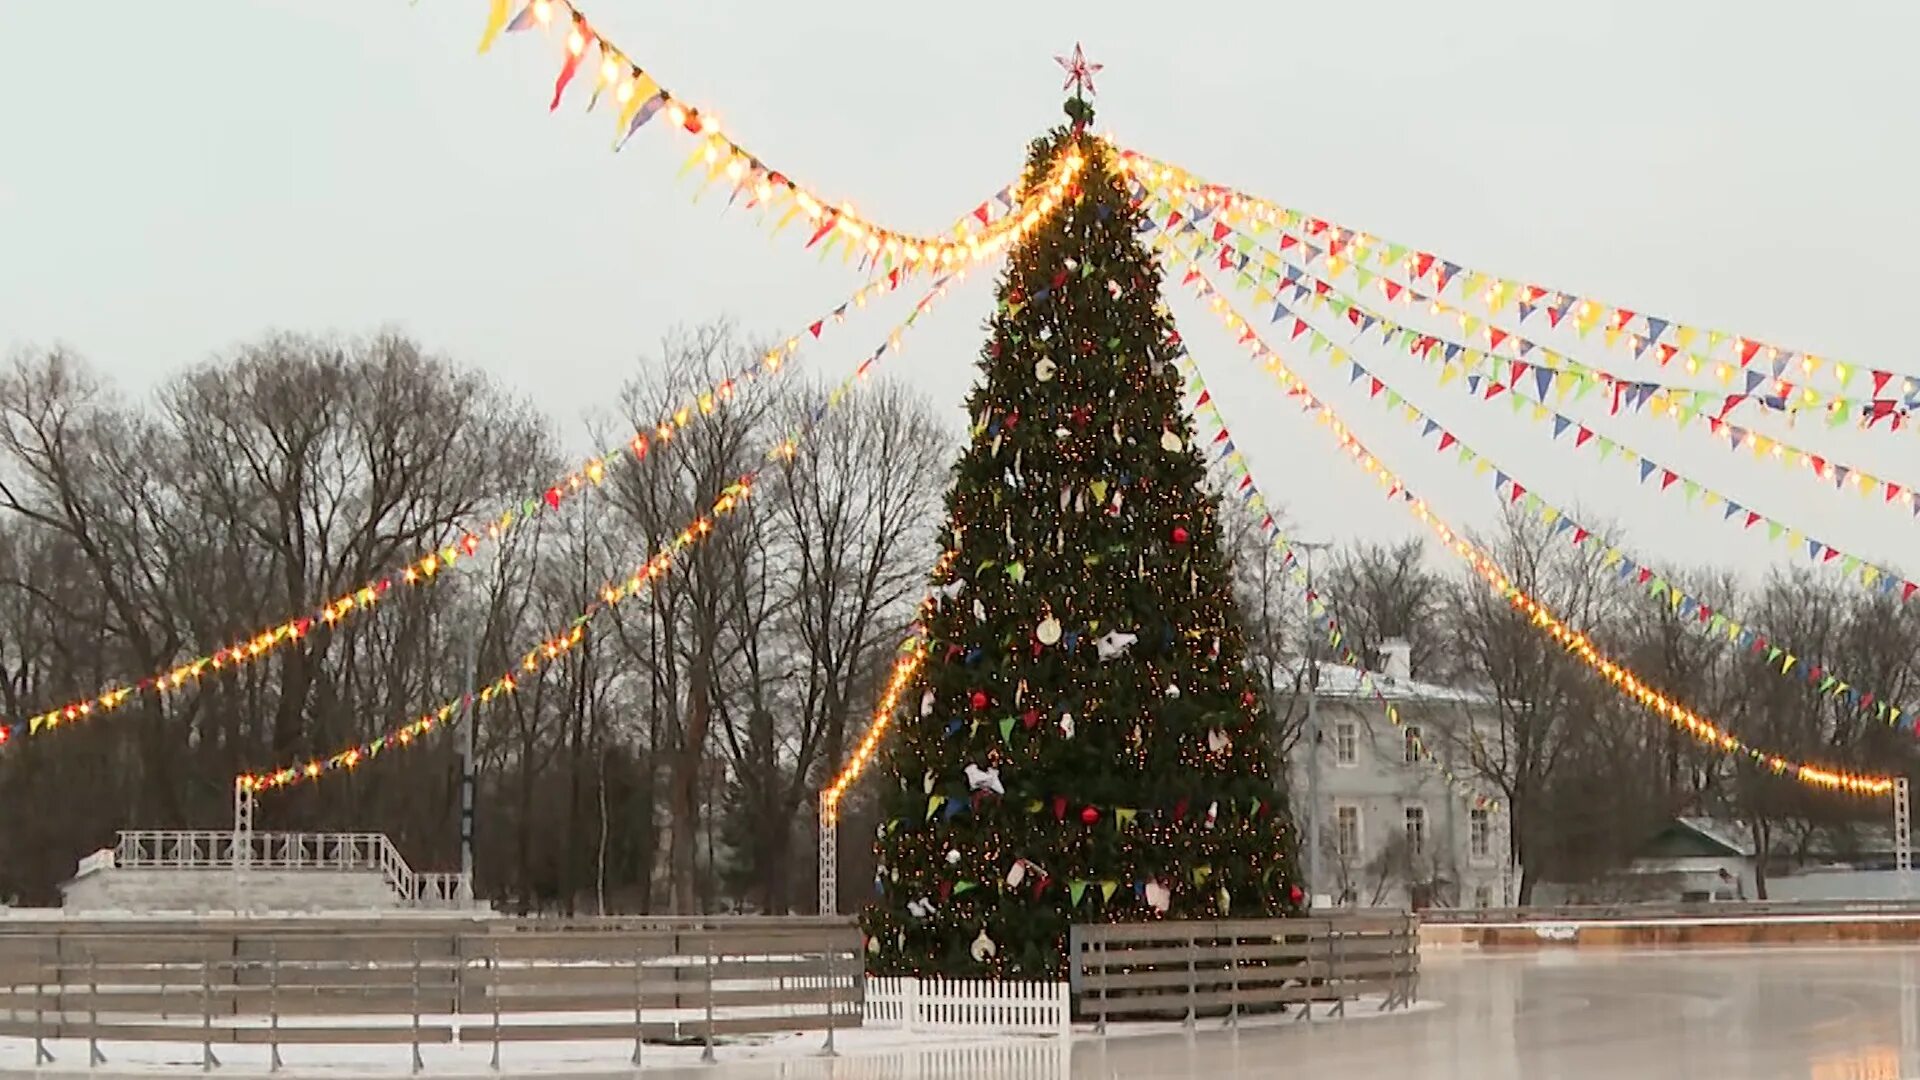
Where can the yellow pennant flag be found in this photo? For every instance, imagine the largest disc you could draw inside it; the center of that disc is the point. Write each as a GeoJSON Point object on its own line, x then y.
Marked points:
{"type": "Point", "coordinates": [643, 89]}
{"type": "Point", "coordinates": [496, 19]}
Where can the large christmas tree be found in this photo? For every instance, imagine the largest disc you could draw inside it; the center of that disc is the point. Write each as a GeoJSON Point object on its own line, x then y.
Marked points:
{"type": "Point", "coordinates": [1084, 742]}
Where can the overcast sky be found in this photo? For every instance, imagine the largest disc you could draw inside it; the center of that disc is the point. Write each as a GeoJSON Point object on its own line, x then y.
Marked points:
{"type": "Point", "coordinates": [175, 178]}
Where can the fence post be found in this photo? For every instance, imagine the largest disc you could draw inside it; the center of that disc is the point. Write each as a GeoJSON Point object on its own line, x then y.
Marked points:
{"type": "Point", "coordinates": [909, 1002]}
{"type": "Point", "coordinates": [1100, 947]}
{"type": "Point", "coordinates": [493, 991]}
{"type": "Point", "coordinates": [40, 1054]}
{"type": "Point", "coordinates": [1192, 946]}
{"type": "Point", "coordinates": [94, 1056]}
{"type": "Point", "coordinates": [273, 1004]}
{"type": "Point", "coordinates": [706, 1053]}
{"type": "Point", "coordinates": [1334, 953]}
{"type": "Point", "coordinates": [1063, 1009]}
{"type": "Point", "coordinates": [418, 1062]}
{"type": "Point", "coordinates": [833, 996]}
{"type": "Point", "coordinates": [639, 992]}
{"type": "Point", "coordinates": [1233, 976]}
{"type": "Point", "coordinates": [207, 1061]}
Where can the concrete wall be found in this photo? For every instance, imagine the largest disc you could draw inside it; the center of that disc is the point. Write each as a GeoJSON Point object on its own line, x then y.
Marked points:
{"type": "Point", "coordinates": [204, 890]}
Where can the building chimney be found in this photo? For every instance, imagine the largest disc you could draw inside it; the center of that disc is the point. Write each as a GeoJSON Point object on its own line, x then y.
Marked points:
{"type": "Point", "coordinates": [1396, 658]}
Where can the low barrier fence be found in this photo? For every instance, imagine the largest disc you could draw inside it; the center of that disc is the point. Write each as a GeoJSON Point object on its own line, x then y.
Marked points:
{"type": "Point", "coordinates": [497, 982]}
{"type": "Point", "coordinates": [424, 981]}
{"type": "Point", "coordinates": [1635, 912]}
{"type": "Point", "coordinates": [1232, 967]}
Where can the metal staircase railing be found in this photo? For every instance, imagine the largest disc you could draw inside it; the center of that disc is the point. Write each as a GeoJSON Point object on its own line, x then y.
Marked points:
{"type": "Point", "coordinates": [207, 849]}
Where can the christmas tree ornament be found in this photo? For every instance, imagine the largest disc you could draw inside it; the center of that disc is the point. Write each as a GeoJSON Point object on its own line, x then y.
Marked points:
{"type": "Point", "coordinates": [1089, 816]}
{"type": "Point", "coordinates": [978, 699]}
{"type": "Point", "coordinates": [1043, 371]}
{"type": "Point", "coordinates": [1017, 874]}
{"type": "Point", "coordinates": [1170, 442]}
{"type": "Point", "coordinates": [927, 782]}
{"type": "Point", "coordinates": [979, 609]}
{"type": "Point", "coordinates": [1219, 742]}
{"type": "Point", "coordinates": [1159, 897]}
{"type": "Point", "coordinates": [953, 856]}
{"type": "Point", "coordinates": [1066, 725]}
{"type": "Point", "coordinates": [1180, 535]}
{"type": "Point", "coordinates": [1114, 644]}
{"type": "Point", "coordinates": [979, 779]}
{"type": "Point", "coordinates": [926, 703]}
{"type": "Point", "coordinates": [1048, 631]}
{"type": "Point", "coordinates": [1173, 691]}
{"type": "Point", "coordinates": [983, 948]}
{"type": "Point", "coordinates": [954, 588]}
{"type": "Point", "coordinates": [1213, 813]}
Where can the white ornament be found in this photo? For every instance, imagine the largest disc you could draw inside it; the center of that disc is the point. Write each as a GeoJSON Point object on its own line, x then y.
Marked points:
{"type": "Point", "coordinates": [1048, 631]}
{"type": "Point", "coordinates": [953, 588]}
{"type": "Point", "coordinates": [979, 779]}
{"type": "Point", "coordinates": [953, 856]}
{"type": "Point", "coordinates": [1170, 442]}
{"type": "Point", "coordinates": [1219, 741]}
{"type": "Point", "coordinates": [926, 703]}
{"type": "Point", "coordinates": [921, 908]}
{"type": "Point", "coordinates": [979, 610]}
{"type": "Point", "coordinates": [1043, 370]}
{"type": "Point", "coordinates": [1114, 643]}
{"type": "Point", "coordinates": [1066, 725]}
{"type": "Point", "coordinates": [1159, 897]}
{"type": "Point", "coordinates": [1061, 432]}
{"type": "Point", "coordinates": [1213, 814]}
{"type": "Point", "coordinates": [926, 782]}
{"type": "Point", "coordinates": [983, 947]}
{"type": "Point", "coordinates": [1018, 874]}
{"type": "Point", "coordinates": [1173, 690]}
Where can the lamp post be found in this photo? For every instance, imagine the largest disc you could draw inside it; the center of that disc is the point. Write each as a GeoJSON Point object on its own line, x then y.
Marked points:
{"type": "Point", "coordinates": [1313, 732]}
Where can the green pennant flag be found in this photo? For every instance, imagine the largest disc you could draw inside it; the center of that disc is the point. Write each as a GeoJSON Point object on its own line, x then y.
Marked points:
{"type": "Point", "coordinates": [1773, 530]}
{"type": "Point", "coordinates": [1774, 652]}
{"type": "Point", "coordinates": [1006, 730]}
{"type": "Point", "coordinates": [1692, 489]}
{"type": "Point", "coordinates": [1075, 891]}
{"type": "Point", "coordinates": [933, 805]}
{"type": "Point", "coordinates": [1106, 889]}
{"type": "Point", "coordinates": [1606, 447]}
{"type": "Point", "coordinates": [962, 887]}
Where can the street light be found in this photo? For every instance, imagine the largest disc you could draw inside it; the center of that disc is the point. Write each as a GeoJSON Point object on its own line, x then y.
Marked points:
{"type": "Point", "coordinates": [1313, 731]}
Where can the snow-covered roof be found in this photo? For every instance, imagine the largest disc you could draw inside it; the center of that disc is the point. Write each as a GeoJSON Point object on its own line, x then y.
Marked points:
{"type": "Point", "coordinates": [1339, 681]}
{"type": "Point", "coordinates": [1728, 834]}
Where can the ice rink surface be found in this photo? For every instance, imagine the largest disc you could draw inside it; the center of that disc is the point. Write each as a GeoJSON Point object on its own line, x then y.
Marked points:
{"type": "Point", "coordinates": [1811, 1014]}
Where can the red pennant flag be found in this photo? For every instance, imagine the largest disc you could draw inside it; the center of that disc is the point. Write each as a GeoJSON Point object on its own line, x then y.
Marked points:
{"type": "Point", "coordinates": [1393, 290]}
{"type": "Point", "coordinates": [1667, 477]}
{"type": "Point", "coordinates": [1287, 242]}
{"type": "Point", "coordinates": [1830, 555]}
{"type": "Point", "coordinates": [576, 48]}
{"type": "Point", "coordinates": [1377, 387]}
{"type": "Point", "coordinates": [1205, 396]}
{"type": "Point", "coordinates": [1880, 379]}
{"type": "Point", "coordinates": [1752, 519]}
{"type": "Point", "coordinates": [981, 213]}
{"type": "Point", "coordinates": [1667, 353]}
{"type": "Point", "coordinates": [1621, 317]}
{"type": "Point", "coordinates": [1493, 389]}
{"type": "Point", "coordinates": [553, 497]}
{"type": "Point", "coordinates": [1422, 264]}
{"type": "Point", "coordinates": [1322, 288]}
{"type": "Point", "coordinates": [1747, 349]}
{"type": "Point", "coordinates": [1220, 230]}
{"type": "Point", "coordinates": [1495, 336]}
{"type": "Point", "coordinates": [1516, 371]}
{"type": "Point", "coordinates": [1518, 491]}
{"type": "Point", "coordinates": [1579, 536]}
{"type": "Point", "coordinates": [1907, 590]}
{"type": "Point", "coordinates": [1446, 440]}
{"type": "Point", "coordinates": [1893, 491]}
{"type": "Point", "coordinates": [1299, 327]}
{"type": "Point", "coordinates": [1581, 438]}
{"type": "Point", "coordinates": [1316, 226]}
{"type": "Point", "coordinates": [827, 222]}
{"type": "Point", "coordinates": [1646, 575]}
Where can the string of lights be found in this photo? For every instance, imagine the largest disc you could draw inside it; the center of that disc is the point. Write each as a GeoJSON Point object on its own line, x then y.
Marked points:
{"type": "Point", "coordinates": [1277, 277]}
{"type": "Point", "coordinates": [542, 656]}
{"type": "Point", "coordinates": [1540, 615]}
{"type": "Point", "coordinates": [1629, 570]}
{"type": "Point", "coordinates": [1635, 331]}
{"type": "Point", "coordinates": [1227, 454]}
{"type": "Point", "coordinates": [637, 97]}
{"type": "Point", "coordinates": [427, 567]}
{"type": "Point", "coordinates": [1864, 572]}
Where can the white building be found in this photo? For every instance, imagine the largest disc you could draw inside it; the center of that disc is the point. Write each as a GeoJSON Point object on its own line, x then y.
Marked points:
{"type": "Point", "coordinates": [1394, 831]}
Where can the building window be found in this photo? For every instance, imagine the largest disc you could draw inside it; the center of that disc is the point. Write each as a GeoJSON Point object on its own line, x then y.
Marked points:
{"type": "Point", "coordinates": [1346, 743]}
{"type": "Point", "coordinates": [1413, 744]}
{"type": "Point", "coordinates": [1480, 834]}
{"type": "Point", "coordinates": [1347, 830]}
{"type": "Point", "coordinates": [1416, 830]}
{"type": "Point", "coordinates": [1482, 896]}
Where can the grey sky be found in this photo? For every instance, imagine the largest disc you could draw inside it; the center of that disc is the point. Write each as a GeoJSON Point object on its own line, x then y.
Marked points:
{"type": "Point", "coordinates": [175, 178]}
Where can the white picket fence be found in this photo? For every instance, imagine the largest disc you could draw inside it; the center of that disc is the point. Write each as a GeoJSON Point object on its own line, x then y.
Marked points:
{"type": "Point", "coordinates": [979, 1005]}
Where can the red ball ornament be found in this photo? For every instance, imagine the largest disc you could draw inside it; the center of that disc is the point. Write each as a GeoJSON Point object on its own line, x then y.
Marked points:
{"type": "Point", "coordinates": [1090, 815]}
{"type": "Point", "coordinates": [1179, 534]}
{"type": "Point", "coordinates": [1295, 894]}
{"type": "Point", "coordinates": [979, 699]}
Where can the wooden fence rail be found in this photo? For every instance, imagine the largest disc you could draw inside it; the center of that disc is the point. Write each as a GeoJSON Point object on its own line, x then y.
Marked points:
{"type": "Point", "coordinates": [1185, 969]}
{"type": "Point", "coordinates": [424, 982]}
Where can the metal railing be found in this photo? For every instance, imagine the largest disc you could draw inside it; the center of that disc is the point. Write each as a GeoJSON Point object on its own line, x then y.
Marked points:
{"type": "Point", "coordinates": [208, 849]}
{"type": "Point", "coordinates": [1669, 911]}
{"type": "Point", "coordinates": [436, 982]}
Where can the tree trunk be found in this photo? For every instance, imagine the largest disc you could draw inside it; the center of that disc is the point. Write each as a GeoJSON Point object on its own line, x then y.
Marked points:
{"type": "Point", "coordinates": [684, 793]}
